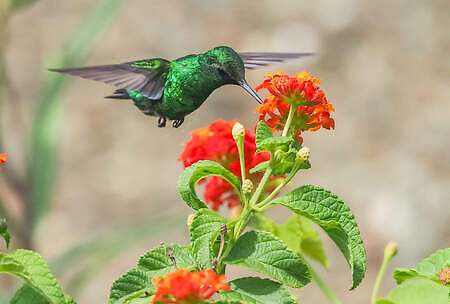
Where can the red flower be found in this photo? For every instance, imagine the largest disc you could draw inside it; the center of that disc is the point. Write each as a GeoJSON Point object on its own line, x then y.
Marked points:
{"type": "Point", "coordinates": [216, 143]}
{"type": "Point", "coordinates": [183, 286]}
{"type": "Point", "coordinates": [301, 91]}
{"type": "Point", "coordinates": [444, 276]}
{"type": "Point", "coordinates": [3, 157]}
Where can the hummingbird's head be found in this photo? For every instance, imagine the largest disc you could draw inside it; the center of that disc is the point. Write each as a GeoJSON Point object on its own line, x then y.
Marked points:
{"type": "Point", "coordinates": [227, 66]}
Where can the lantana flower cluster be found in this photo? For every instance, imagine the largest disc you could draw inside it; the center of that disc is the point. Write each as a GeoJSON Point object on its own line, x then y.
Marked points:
{"type": "Point", "coordinates": [3, 157]}
{"type": "Point", "coordinates": [301, 91]}
{"type": "Point", "coordinates": [183, 286]}
{"type": "Point", "coordinates": [216, 143]}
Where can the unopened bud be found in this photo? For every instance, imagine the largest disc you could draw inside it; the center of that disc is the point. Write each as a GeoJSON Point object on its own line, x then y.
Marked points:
{"type": "Point", "coordinates": [247, 186]}
{"type": "Point", "coordinates": [303, 154]}
{"type": "Point", "coordinates": [236, 212]}
{"type": "Point", "coordinates": [190, 219]}
{"type": "Point", "coordinates": [390, 249]}
{"type": "Point", "coordinates": [238, 131]}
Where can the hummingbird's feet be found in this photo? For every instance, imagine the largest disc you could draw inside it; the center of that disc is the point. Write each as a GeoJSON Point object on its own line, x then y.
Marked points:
{"type": "Point", "coordinates": [177, 123]}
{"type": "Point", "coordinates": [162, 122]}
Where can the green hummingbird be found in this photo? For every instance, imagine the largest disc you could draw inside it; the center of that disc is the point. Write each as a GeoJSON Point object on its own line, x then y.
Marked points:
{"type": "Point", "coordinates": [174, 89]}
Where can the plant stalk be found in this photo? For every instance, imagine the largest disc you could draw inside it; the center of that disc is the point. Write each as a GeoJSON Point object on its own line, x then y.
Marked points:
{"type": "Point", "coordinates": [322, 285]}
{"type": "Point", "coordinates": [389, 252]}
{"type": "Point", "coordinates": [289, 120]}
{"type": "Point", "coordinates": [260, 187]}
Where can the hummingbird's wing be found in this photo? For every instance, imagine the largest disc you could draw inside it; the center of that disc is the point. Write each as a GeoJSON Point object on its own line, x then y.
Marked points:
{"type": "Point", "coordinates": [144, 76]}
{"type": "Point", "coordinates": [257, 60]}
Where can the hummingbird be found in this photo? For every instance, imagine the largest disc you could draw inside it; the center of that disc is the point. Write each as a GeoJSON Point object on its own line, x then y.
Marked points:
{"type": "Point", "coordinates": [173, 89]}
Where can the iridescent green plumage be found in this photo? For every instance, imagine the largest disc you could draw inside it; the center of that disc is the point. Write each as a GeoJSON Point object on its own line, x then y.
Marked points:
{"type": "Point", "coordinates": [174, 89]}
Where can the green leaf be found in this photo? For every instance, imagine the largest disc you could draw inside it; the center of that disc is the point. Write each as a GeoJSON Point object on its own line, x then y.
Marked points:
{"type": "Point", "coordinates": [331, 214]}
{"type": "Point", "coordinates": [401, 274]}
{"type": "Point", "coordinates": [420, 291]}
{"type": "Point", "coordinates": [263, 252]}
{"type": "Point", "coordinates": [4, 232]}
{"type": "Point", "coordinates": [204, 232]}
{"type": "Point", "coordinates": [136, 284]}
{"type": "Point", "coordinates": [271, 144]}
{"type": "Point", "coordinates": [262, 132]}
{"type": "Point", "coordinates": [254, 290]}
{"type": "Point", "coordinates": [384, 301]}
{"type": "Point", "coordinates": [156, 262]}
{"type": "Point", "coordinates": [27, 295]}
{"type": "Point", "coordinates": [299, 235]}
{"type": "Point", "coordinates": [201, 169]}
{"type": "Point", "coordinates": [132, 285]}
{"type": "Point", "coordinates": [260, 167]}
{"type": "Point", "coordinates": [428, 268]}
{"type": "Point", "coordinates": [30, 267]}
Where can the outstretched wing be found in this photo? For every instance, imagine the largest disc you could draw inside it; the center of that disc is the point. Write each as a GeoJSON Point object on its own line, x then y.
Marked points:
{"type": "Point", "coordinates": [144, 76]}
{"type": "Point", "coordinates": [257, 60]}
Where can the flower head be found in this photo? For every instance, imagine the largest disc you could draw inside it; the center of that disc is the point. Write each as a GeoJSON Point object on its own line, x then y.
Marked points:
{"type": "Point", "coordinates": [3, 157]}
{"type": "Point", "coordinates": [216, 143]}
{"type": "Point", "coordinates": [444, 276]}
{"type": "Point", "coordinates": [303, 154]}
{"type": "Point", "coordinates": [183, 286]}
{"type": "Point", "coordinates": [301, 91]}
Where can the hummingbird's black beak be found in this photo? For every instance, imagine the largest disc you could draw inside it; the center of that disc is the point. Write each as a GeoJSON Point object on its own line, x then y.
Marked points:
{"type": "Point", "coordinates": [245, 86]}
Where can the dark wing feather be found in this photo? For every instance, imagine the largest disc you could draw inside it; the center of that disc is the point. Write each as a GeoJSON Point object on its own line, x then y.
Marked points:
{"type": "Point", "coordinates": [143, 76]}
{"type": "Point", "coordinates": [257, 60]}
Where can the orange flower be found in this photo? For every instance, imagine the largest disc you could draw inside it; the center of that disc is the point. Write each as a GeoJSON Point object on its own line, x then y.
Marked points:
{"type": "Point", "coordinates": [3, 157]}
{"type": "Point", "coordinates": [301, 91]}
{"type": "Point", "coordinates": [216, 143]}
{"type": "Point", "coordinates": [444, 276]}
{"type": "Point", "coordinates": [183, 286]}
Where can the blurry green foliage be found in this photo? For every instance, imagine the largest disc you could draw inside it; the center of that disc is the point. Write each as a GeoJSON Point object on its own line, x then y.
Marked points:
{"type": "Point", "coordinates": [18, 4]}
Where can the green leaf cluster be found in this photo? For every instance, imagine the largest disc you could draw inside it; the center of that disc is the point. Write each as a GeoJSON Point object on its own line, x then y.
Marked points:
{"type": "Point", "coordinates": [429, 268]}
{"type": "Point", "coordinates": [40, 285]}
{"type": "Point", "coordinates": [298, 234]}
{"type": "Point", "coordinates": [283, 150]}
{"type": "Point", "coordinates": [421, 284]}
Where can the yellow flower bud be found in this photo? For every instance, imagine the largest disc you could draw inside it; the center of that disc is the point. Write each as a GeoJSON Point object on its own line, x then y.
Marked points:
{"type": "Point", "coordinates": [303, 154]}
{"type": "Point", "coordinates": [390, 249]}
{"type": "Point", "coordinates": [238, 131]}
{"type": "Point", "coordinates": [190, 219]}
{"type": "Point", "coordinates": [247, 186]}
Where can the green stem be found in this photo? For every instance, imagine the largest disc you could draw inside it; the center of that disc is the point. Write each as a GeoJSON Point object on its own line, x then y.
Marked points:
{"type": "Point", "coordinates": [240, 144]}
{"type": "Point", "coordinates": [389, 252]}
{"type": "Point", "coordinates": [289, 120]}
{"type": "Point", "coordinates": [277, 189]}
{"type": "Point", "coordinates": [323, 286]}
{"type": "Point", "coordinates": [261, 186]}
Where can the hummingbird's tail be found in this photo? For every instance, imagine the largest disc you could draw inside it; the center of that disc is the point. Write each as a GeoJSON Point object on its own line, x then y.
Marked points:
{"type": "Point", "coordinates": [119, 94]}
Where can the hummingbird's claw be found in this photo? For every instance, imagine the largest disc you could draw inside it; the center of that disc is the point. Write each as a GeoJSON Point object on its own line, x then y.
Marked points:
{"type": "Point", "coordinates": [178, 122]}
{"type": "Point", "coordinates": [161, 122]}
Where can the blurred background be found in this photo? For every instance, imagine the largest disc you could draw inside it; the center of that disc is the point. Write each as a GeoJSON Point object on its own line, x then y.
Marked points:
{"type": "Point", "coordinates": [91, 183]}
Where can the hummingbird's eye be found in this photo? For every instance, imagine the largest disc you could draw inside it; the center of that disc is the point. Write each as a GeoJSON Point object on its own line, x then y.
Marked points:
{"type": "Point", "coordinates": [224, 74]}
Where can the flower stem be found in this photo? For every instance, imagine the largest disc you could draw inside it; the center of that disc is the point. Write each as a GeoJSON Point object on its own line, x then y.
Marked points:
{"type": "Point", "coordinates": [322, 285]}
{"type": "Point", "coordinates": [240, 145]}
{"type": "Point", "coordinates": [289, 120]}
{"type": "Point", "coordinates": [277, 189]}
{"type": "Point", "coordinates": [389, 252]}
{"type": "Point", "coordinates": [261, 186]}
